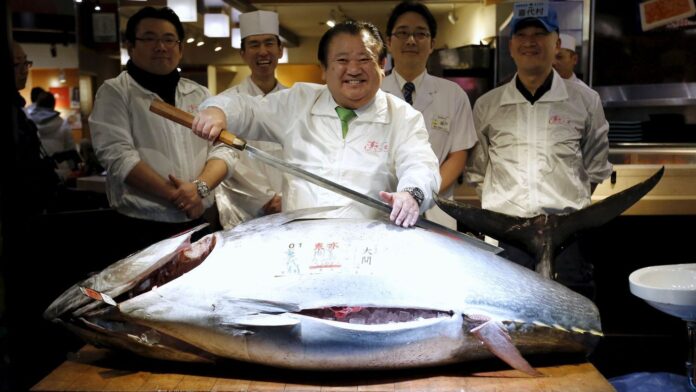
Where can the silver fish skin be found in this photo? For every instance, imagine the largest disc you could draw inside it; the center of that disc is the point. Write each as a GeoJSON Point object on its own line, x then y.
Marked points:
{"type": "Point", "coordinates": [342, 294]}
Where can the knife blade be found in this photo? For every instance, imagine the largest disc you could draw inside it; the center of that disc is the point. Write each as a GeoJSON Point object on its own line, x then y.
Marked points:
{"type": "Point", "coordinates": [186, 119]}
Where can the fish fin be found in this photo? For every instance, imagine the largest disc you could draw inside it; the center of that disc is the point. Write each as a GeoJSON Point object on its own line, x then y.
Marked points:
{"type": "Point", "coordinates": [495, 337]}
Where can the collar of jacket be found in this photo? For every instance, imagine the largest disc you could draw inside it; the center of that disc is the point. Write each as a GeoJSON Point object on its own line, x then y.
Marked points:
{"type": "Point", "coordinates": [558, 92]}
{"type": "Point", "coordinates": [377, 111]}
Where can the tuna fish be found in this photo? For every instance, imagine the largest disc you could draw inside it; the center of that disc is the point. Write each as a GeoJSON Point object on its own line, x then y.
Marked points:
{"type": "Point", "coordinates": [327, 294]}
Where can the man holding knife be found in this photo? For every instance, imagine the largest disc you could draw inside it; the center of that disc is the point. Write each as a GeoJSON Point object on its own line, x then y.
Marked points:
{"type": "Point", "coordinates": [348, 131]}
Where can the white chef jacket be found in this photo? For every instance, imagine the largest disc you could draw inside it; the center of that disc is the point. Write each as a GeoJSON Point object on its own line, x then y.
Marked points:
{"type": "Point", "coordinates": [574, 78]}
{"type": "Point", "coordinates": [448, 118]}
{"type": "Point", "coordinates": [386, 147]}
{"type": "Point", "coordinates": [541, 158]}
{"type": "Point", "coordinates": [125, 132]}
{"type": "Point", "coordinates": [253, 183]}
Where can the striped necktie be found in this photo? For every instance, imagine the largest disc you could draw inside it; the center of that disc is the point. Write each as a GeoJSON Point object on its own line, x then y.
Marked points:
{"type": "Point", "coordinates": [408, 90]}
{"type": "Point", "coordinates": [345, 115]}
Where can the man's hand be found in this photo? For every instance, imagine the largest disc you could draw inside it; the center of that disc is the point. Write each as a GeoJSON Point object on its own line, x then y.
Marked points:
{"type": "Point", "coordinates": [185, 197]}
{"type": "Point", "coordinates": [273, 206]}
{"type": "Point", "coordinates": [209, 122]}
{"type": "Point", "coordinates": [405, 209]}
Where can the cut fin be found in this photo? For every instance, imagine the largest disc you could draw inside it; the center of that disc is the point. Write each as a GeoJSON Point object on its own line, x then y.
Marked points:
{"type": "Point", "coordinates": [495, 337]}
{"type": "Point", "coordinates": [97, 296]}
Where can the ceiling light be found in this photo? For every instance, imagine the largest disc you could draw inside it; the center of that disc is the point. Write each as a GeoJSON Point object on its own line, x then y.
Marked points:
{"type": "Point", "coordinates": [185, 9]}
{"type": "Point", "coordinates": [331, 23]}
{"type": "Point", "coordinates": [190, 40]}
{"type": "Point", "coordinates": [236, 38]}
{"type": "Point", "coordinates": [216, 25]}
{"type": "Point", "coordinates": [124, 56]}
{"type": "Point", "coordinates": [218, 48]}
{"type": "Point", "coordinates": [200, 43]}
{"type": "Point", "coordinates": [235, 15]}
{"type": "Point", "coordinates": [452, 16]}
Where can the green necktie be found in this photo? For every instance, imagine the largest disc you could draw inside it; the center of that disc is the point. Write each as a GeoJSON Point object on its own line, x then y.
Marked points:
{"type": "Point", "coordinates": [345, 115]}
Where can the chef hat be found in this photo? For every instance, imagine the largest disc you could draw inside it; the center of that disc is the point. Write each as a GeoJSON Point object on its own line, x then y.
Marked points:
{"type": "Point", "coordinates": [567, 42]}
{"type": "Point", "coordinates": [258, 22]}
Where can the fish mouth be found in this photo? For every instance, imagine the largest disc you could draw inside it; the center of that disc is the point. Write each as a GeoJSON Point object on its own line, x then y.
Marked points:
{"type": "Point", "coordinates": [369, 315]}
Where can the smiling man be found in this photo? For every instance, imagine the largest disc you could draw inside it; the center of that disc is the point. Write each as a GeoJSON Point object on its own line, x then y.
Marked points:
{"type": "Point", "coordinates": [254, 189]}
{"type": "Point", "coordinates": [543, 143]}
{"type": "Point", "coordinates": [411, 31]}
{"type": "Point", "coordinates": [159, 176]}
{"type": "Point", "coordinates": [348, 131]}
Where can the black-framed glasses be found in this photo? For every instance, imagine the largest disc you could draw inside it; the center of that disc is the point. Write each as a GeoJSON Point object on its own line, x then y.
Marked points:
{"type": "Point", "coordinates": [404, 35]}
{"type": "Point", "coordinates": [168, 42]}
{"type": "Point", "coordinates": [24, 64]}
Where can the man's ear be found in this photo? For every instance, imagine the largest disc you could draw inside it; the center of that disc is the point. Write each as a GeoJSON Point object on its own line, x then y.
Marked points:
{"type": "Point", "coordinates": [323, 73]}
{"type": "Point", "coordinates": [129, 48]}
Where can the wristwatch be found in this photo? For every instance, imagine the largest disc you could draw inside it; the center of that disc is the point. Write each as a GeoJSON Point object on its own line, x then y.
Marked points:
{"type": "Point", "coordinates": [202, 188]}
{"type": "Point", "coordinates": [416, 193]}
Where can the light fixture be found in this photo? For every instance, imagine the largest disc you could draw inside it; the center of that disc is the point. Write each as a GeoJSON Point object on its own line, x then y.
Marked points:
{"type": "Point", "coordinates": [331, 22]}
{"type": "Point", "coordinates": [124, 56]}
{"type": "Point", "coordinates": [218, 48]}
{"type": "Point", "coordinates": [236, 38]}
{"type": "Point", "coordinates": [190, 40]}
{"type": "Point", "coordinates": [216, 25]}
{"type": "Point", "coordinates": [200, 43]}
{"type": "Point", "coordinates": [61, 76]}
{"type": "Point", "coordinates": [452, 16]}
{"type": "Point", "coordinates": [97, 7]}
{"type": "Point", "coordinates": [235, 16]}
{"type": "Point", "coordinates": [78, 1]}
{"type": "Point", "coordinates": [284, 58]}
{"type": "Point", "coordinates": [185, 9]}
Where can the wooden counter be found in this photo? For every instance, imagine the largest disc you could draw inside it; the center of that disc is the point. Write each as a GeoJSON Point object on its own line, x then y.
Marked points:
{"type": "Point", "coordinates": [93, 369]}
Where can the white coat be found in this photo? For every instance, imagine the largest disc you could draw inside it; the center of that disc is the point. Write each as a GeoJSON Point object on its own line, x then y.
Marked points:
{"type": "Point", "coordinates": [253, 183]}
{"type": "Point", "coordinates": [449, 120]}
{"type": "Point", "coordinates": [386, 148]}
{"type": "Point", "coordinates": [124, 132]}
{"type": "Point", "coordinates": [541, 158]}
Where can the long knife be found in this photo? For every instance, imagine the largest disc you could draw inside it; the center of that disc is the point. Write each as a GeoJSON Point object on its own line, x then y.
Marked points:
{"type": "Point", "coordinates": [186, 119]}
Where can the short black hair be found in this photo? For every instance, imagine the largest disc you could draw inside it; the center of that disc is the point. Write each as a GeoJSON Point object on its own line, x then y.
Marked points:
{"type": "Point", "coordinates": [244, 42]}
{"type": "Point", "coordinates": [353, 28]}
{"type": "Point", "coordinates": [35, 92]}
{"type": "Point", "coordinates": [164, 13]}
{"type": "Point", "coordinates": [46, 100]}
{"type": "Point", "coordinates": [412, 6]}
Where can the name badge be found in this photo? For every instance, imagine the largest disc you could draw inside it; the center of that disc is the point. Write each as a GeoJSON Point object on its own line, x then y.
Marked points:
{"type": "Point", "coordinates": [441, 123]}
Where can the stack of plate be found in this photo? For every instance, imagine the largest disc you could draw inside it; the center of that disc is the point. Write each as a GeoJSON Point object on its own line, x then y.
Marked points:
{"type": "Point", "coordinates": [625, 131]}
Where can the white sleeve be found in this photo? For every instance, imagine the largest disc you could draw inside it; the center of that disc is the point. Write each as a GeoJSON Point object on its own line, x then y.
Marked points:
{"type": "Point", "coordinates": [416, 163]}
{"type": "Point", "coordinates": [112, 139]}
{"type": "Point", "coordinates": [595, 144]}
{"type": "Point", "coordinates": [477, 163]}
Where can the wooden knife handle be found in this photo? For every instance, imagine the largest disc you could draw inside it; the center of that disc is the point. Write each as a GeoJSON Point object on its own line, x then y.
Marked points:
{"type": "Point", "coordinates": [186, 119]}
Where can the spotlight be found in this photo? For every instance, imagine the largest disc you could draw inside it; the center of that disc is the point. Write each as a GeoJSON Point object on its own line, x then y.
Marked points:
{"type": "Point", "coordinates": [452, 16]}
{"type": "Point", "coordinates": [190, 40]}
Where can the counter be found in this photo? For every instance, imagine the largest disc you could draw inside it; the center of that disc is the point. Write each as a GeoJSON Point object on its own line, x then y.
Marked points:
{"type": "Point", "coordinates": [94, 369]}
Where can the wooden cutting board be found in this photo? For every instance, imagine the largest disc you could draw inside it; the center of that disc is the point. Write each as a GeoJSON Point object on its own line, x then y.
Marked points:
{"type": "Point", "coordinates": [93, 369]}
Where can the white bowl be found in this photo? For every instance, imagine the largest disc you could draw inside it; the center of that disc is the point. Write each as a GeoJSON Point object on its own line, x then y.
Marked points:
{"type": "Point", "coordinates": [669, 288]}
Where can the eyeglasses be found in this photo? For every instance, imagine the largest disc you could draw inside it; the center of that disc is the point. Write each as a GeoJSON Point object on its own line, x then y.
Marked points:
{"type": "Point", "coordinates": [24, 64]}
{"type": "Point", "coordinates": [168, 42]}
{"type": "Point", "coordinates": [405, 35]}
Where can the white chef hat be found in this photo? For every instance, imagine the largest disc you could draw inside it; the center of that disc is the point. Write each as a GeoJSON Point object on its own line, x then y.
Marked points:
{"type": "Point", "coordinates": [258, 22]}
{"type": "Point", "coordinates": [567, 42]}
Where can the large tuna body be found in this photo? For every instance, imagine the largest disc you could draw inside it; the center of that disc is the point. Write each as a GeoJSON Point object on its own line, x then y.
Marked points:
{"type": "Point", "coordinates": [327, 294]}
